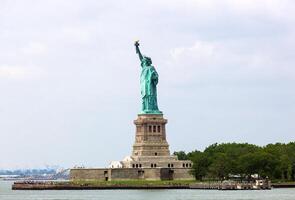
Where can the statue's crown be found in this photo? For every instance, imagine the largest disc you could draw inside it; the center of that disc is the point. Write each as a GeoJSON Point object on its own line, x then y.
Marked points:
{"type": "Point", "coordinates": [147, 58]}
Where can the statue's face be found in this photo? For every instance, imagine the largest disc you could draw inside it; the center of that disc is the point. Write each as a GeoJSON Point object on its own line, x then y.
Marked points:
{"type": "Point", "coordinates": [147, 60]}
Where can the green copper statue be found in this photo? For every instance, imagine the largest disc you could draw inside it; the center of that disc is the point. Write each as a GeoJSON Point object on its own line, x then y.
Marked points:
{"type": "Point", "coordinates": [148, 84]}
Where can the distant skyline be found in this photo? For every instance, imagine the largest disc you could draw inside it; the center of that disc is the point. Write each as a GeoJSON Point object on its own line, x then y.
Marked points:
{"type": "Point", "coordinates": [69, 76]}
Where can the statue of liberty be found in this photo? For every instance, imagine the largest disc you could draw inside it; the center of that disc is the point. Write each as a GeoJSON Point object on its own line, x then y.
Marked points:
{"type": "Point", "coordinates": [148, 84]}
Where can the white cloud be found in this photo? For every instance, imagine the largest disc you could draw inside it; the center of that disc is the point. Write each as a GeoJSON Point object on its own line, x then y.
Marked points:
{"type": "Point", "coordinates": [275, 8]}
{"type": "Point", "coordinates": [12, 72]}
{"type": "Point", "coordinates": [200, 50]}
{"type": "Point", "coordinates": [34, 49]}
{"type": "Point", "coordinates": [17, 72]}
{"type": "Point", "coordinates": [240, 59]}
{"type": "Point", "coordinates": [77, 34]}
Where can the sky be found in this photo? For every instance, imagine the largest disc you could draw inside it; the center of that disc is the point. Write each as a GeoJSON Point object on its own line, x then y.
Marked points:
{"type": "Point", "coordinates": [69, 76]}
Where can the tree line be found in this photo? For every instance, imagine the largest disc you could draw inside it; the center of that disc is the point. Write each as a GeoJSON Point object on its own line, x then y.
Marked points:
{"type": "Point", "coordinates": [222, 161]}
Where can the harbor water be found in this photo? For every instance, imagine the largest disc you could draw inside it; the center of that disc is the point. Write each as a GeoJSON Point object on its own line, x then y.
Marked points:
{"type": "Point", "coordinates": [275, 194]}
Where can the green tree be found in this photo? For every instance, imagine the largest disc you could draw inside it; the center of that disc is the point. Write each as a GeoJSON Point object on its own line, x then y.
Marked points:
{"type": "Point", "coordinates": [181, 155]}
{"type": "Point", "coordinates": [220, 166]}
{"type": "Point", "coordinates": [200, 164]}
{"type": "Point", "coordinates": [276, 161]}
{"type": "Point", "coordinates": [261, 163]}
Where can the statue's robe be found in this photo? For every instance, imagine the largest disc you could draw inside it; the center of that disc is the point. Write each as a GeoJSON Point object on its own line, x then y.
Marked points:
{"type": "Point", "coordinates": [148, 83]}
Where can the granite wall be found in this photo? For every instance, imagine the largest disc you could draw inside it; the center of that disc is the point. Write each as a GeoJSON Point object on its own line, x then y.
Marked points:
{"type": "Point", "coordinates": [131, 173]}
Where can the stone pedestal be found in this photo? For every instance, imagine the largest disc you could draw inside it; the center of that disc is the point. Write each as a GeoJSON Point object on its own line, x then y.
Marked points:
{"type": "Point", "coordinates": [150, 136]}
{"type": "Point", "coordinates": [151, 149]}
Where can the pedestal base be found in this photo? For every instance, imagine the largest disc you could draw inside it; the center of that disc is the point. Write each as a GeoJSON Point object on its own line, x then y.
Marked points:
{"type": "Point", "coordinates": [150, 136]}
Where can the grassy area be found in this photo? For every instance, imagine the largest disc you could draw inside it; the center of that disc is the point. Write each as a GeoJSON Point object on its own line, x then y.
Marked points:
{"type": "Point", "coordinates": [130, 182]}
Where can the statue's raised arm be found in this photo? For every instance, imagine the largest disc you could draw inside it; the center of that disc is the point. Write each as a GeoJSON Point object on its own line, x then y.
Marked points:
{"type": "Point", "coordinates": [137, 50]}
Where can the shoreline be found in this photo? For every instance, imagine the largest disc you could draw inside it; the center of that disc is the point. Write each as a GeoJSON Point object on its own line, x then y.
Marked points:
{"type": "Point", "coordinates": [129, 185]}
{"type": "Point", "coordinates": [283, 185]}
{"type": "Point", "coordinates": [107, 187]}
